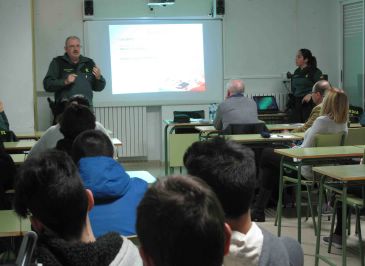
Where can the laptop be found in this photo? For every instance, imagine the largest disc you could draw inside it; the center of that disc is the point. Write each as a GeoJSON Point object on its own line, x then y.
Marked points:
{"type": "Point", "coordinates": [266, 104]}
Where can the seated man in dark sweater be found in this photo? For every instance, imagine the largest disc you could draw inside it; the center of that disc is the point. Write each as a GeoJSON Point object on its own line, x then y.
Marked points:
{"type": "Point", "coordinates": [49, 190]}
{"type": "Point", "coordinates": [229, 169]}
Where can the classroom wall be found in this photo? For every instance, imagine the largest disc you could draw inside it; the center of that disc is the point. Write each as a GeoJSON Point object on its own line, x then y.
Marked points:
{"type": "Point", "coordinates": [16, 64]}
{"type": "Point", "coordinates": [260, 40]}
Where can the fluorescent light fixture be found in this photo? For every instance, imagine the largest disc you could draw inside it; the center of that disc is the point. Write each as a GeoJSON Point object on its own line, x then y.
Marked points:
{"type": "Point", "coordinates": [160, 2]}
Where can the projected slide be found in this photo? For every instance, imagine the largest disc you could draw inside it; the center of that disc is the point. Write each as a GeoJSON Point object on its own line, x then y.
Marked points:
{"type": "Point", "coordinates": [157, 58]}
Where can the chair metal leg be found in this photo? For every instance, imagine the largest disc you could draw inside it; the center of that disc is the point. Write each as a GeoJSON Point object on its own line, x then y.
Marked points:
{"type": "Point", "coordinates": [299, 202]}
{"type": "Point", "coordinates": [280, 200]}
{"type": "Point", "coordinates": [358, 229]}
{"type": "Point", "coordinates": [318, 237]}
{"type": "Point", "coordinates": [349, 222]}
{"type": "Point", "coordinates": [332, 225]}
{"type": "Point", "coordinates": [344, 213]}
{"type": "Point", "coordinates": [309, 191]}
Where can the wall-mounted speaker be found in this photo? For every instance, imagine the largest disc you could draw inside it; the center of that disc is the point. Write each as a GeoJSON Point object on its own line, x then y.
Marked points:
{"type": "Point", "coordinates": [88, 7]}
{"type": "Point", "coordinates": [220, 7]}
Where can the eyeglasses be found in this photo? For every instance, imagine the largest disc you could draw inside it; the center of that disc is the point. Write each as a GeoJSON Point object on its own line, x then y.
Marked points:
{"type": "Point", "coordinates": [74, 46]}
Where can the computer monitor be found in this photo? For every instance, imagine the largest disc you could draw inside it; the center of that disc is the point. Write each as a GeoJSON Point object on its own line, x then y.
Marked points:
{"type": "Point", "coordinates": [266, 104]}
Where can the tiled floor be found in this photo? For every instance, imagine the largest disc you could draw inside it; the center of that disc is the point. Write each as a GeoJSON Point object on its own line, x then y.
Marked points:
{"type": "Point", "coordinates": [289, 225]}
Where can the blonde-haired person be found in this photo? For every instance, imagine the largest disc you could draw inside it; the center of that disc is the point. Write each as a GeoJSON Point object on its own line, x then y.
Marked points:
{"type": "Point", "coordinates": [333, 119]}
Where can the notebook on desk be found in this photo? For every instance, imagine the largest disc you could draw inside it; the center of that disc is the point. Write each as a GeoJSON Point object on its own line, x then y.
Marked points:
{"type": "Point", "coordinates": [266, 104]}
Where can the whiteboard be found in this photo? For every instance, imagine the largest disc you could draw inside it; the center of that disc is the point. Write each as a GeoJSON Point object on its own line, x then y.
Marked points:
{"type": "Point", "coordinates": [97, 46]}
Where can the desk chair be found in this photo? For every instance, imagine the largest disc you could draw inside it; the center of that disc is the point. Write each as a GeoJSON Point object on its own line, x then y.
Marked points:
{"type": "Point", "coordinates": [184, 117]}
{"type": "Point", "coordinates": [355, 136]}
{"type": "Point", "coordinates": [321, 140]}
{"type": "Point", "coordinates": [252, 128]}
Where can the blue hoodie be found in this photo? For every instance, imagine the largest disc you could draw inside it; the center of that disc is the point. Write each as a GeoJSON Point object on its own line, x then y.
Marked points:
{"type": "Point", "coordinates": [116, 195]}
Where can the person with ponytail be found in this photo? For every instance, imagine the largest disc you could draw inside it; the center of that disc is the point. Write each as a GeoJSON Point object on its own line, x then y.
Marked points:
{"type": "Point", "coordinates": [302, 81]}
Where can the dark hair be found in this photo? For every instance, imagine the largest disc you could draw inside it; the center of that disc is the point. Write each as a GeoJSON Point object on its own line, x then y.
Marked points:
{"type": "Point", "coordinates": [91, 143]}
{"type": "Point", "coordinates": [74, 120]}
{"type": "Point", "coordinates": [49, 188]}
{"type": "Point", "coordinates": [229, 168]}
{"type": "Point", "coordinates": [79, 99]}
{"type": "Point", "coordinates": [307, 54]}
{"type": "Point", "coordinates": [180, 222]}
{"type": "Point", "coordinates": [74, 99]}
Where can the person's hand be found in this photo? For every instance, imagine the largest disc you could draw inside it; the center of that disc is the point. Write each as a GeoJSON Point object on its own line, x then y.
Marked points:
{"type": "Point", "coordinates": [307, 98]}
{"type": "Point", "coordinates": [70, 79]}
{"type": "Point", "coordinates": [96, 72]}
{"type": "Point", "coordinates": [1, 107]}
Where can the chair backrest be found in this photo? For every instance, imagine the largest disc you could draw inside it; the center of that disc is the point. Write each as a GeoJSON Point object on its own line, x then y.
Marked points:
{"type": "Point", "coordinates": [328, 140]}
{"type": "Point", "coordinates": [355, 136]}
{"type": "Point", "coordinates": [184, 117]}
{"type": "Point", "coordinates": [235, 129]}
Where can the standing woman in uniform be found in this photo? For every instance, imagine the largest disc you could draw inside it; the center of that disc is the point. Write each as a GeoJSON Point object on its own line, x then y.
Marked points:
{"type": "Point", "coordinates": [302, 82]}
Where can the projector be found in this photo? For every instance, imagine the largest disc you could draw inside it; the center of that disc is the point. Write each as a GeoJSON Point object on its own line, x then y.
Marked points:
{"type": "Point", "coordinates": [160, 2]}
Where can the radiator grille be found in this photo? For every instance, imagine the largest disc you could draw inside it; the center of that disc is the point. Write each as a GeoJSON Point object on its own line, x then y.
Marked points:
{"type": "Point", "coordinates": [129, 124]}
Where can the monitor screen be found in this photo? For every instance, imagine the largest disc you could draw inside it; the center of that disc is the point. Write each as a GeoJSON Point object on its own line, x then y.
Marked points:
{"type": "Point", "coordinates": [266, 103]}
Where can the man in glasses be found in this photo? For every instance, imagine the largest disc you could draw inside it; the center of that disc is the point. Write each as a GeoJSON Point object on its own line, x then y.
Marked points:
{"type": "Point", "coordinates": [318, 93]}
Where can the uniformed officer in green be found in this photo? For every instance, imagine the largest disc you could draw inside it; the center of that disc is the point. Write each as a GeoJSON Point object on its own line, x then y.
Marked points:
{"type": "Point", "coordinates": [4, 123]}
{"type": "Point", "coordinates": [73, 73]}
{"type": "Point", "coordinates": [5, 133]}
{"type": "Point", "coordinates": [302, 81]}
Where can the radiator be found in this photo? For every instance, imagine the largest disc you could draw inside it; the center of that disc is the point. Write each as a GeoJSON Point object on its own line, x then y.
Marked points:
{"type": "Point", "coordinates": [281, 98]}
{"type": "Point", "coordinates": [127, 123]}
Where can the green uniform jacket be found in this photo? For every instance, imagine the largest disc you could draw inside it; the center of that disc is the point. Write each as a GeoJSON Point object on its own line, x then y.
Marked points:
{"type": "Point", "coordinates": [303, 81]}
{"type": "Point", "coordinates": [84, 84]}
{"type": "Point", "coordinates": [4, 123]}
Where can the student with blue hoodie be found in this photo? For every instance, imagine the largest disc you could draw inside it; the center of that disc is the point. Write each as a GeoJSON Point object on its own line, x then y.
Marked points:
{"type": "Point", "coordinates": [116, 194]}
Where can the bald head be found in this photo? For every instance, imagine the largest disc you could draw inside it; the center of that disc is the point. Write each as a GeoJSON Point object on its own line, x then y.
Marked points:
{"type": "Point", "coordinates": [319, 90]}
{"type": "Point", "coordinates": [321, 86]}
{"type": "Point", "coordinates": [235, 86]}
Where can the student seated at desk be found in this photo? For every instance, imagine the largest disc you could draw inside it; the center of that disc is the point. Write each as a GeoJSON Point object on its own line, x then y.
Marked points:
{"type": "Point", "coordinates": [236, 108]}
{"type": "Point", "coordinates": [49, 190]}
{"type": "Point", "coordinates": [53, 134]}
{"type": "Point", "coordinates": [229, 169]}
{"type": "Point", "coordinates": [116, 194]}
{"type": "Point", "coordinates": [318, 93]}
{"type": "Point", "coordinates": [7, 173]}
{"type": "Point", "coordinates": [333, 119]}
